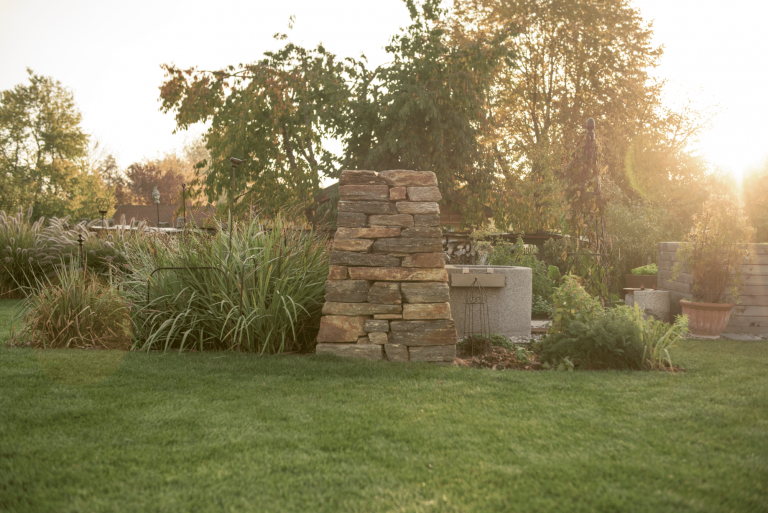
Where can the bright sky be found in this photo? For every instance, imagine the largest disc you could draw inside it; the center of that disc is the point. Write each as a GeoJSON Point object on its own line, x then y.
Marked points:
{"type": "Point", "coordinates": [109, 55]}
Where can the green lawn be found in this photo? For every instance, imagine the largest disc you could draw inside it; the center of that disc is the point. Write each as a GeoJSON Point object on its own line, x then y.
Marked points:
{"type": "Point", "coordinates": [108, 431]}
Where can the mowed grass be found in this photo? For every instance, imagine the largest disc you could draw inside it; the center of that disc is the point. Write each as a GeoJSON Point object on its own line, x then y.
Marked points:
{"type": "Point", "coordinates": [112, 431]}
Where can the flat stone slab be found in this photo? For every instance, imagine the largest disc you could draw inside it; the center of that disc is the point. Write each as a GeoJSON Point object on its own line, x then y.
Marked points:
{"type": "Point", "coordinates": [407, 245]}
{"type": "Point", "coordinates": [356, 309]}
{"type": "Point", "coordinates": [743, 336]}
{"type": "Point", "coordinates": [359, 245]}
{"type": "Point", "coordinates": [364, 192]}
{"type": "Point", "coordinates": [361, 351]}
{"type": "Point", "coordinates": [423, 333]}
{"type": "Point", "coordinates": [367, 233]}
{"type": "Point", "coordinates": [337, 272]}
{"type": "Point", "coordinates": [396, 352]}
{"type": "Point", "coordinates": [402, 177]}
{"type": "Point", "coordinates": [427, 311]}
{"type": "Point", "coordinates": [423, 260]}
{"type": "Point", "coordinates": [351, 258]}
{"type": "Point", "coordinates": [426, 292]}
{"type": "Point", "coordinates": [404, 220]}
{"type": "Point", "coordinates": [377, 337]}
{"type": "Point", "coordinates": [350, 291]}
{"type": "Point", "coordinates": [417, 207]}
{"type": "Point", "coordinates": [385, 293]}
{"type": "Point", "coordinates": [341, 328]}
{"type": "Point", "coordinates": [355, 177]}
{"type": "Point", "coordinates": [350, 219]}
{"type": "Point", "coordinates": [376, 326]}
{"type": "Point", "coordinates": [366, 207]}
{"type": "Point", "coordinates": [424, 194]}
{"type": "Point", "coordinates": [397, 274]}
{"type": "Point", "coordinates": [397, 193]}
{"type": "Point", "coordinates": [426, 220]}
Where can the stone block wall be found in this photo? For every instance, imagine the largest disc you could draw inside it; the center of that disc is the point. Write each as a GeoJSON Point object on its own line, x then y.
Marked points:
{"type": "Point", "coordinates": [750, 315]}
{"type": "Point", "coordinates": [387, 292]}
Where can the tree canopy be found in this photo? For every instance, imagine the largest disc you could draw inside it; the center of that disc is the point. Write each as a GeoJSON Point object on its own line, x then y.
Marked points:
{"type": "Point", "coordinates": [41, 141]}
{"type": "Point", "coordinates": [578, 59]}
{"type": "Point", "coordinates": [274, 113]}
{"type": "Point", "coordinates": [427, 110]}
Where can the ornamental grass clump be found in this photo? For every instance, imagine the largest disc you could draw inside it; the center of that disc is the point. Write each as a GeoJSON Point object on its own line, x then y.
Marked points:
{"type": "Point", "coordinates": [24, 253]}
{"type": "Point", "coordinates": [282, 266]}
{"type": "Point", "coordinates": [29, 251]}
{"type": "Point", "coordinates": [74, 308]}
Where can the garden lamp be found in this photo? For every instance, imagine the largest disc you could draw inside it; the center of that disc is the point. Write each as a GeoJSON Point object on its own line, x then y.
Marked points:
{"type": "Point", "coordinates": [103, 206]}
{"type": "Point", "coordinates": [156, 198]}
{"type": "Point", "coordinates": [184, 201]}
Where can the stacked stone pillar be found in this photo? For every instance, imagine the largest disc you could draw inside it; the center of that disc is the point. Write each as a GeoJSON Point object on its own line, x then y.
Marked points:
{"type": "Point", "coordinates": [387, 293]}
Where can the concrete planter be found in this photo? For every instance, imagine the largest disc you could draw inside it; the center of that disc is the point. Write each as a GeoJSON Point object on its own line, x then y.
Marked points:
{"type": "Point", "coordinates": [654, 303]}
{"type": "Point", "coordinates": [634, 281]}
{"type": "Point", "coordinates": [508, 292]}
{"type": "Point", "coordinates": [706, 320]}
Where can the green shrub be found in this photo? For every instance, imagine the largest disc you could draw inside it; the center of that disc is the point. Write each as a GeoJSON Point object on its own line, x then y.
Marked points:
{"type": "Point", "coordinates": [284, 266]}
{"type": "Point", "coordinates": [609, 341]}
{"type": "Point", "coordinates": [573, 303]}
{"type": "Point", "coordinates": [621, 338]}
{"type": "Point", "coordinates": [541, 307]}
{"type": "Point", "coordinates": [657, 337]}
{"type": "Point", "coordinates": [554, 253]}
{"type": "Point", "coordinates": [646, 270]}
{"type": "Point", "coordinates": [74, 309]}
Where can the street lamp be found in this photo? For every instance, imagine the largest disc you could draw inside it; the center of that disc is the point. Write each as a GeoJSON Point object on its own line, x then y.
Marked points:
{"type": "Point", "coordinates": [156, 198]}
{"type": "Point", "coordinates": [184, 201]}
{"type": "Point", "coordinates": [103, 206]}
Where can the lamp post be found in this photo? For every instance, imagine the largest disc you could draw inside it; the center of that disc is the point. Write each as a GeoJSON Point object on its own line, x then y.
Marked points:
{"type": "Point", "coordinates": [184, 201]}
{"type": "Point", "coordinates": [156, 198]}
{"type": "Point", "coordinates": [235, 162]}
{"type": "Point", "coordinates": [80, 241]}
{"type": "Point", "coordinates": [103, 206]}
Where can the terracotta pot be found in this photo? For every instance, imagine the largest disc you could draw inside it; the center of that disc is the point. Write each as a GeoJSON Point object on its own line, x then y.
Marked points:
{"type": "Point", "coordinates": [707, 320]}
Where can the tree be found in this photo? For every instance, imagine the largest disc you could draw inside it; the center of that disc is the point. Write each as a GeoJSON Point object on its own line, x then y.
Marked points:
{"type": "Point", "coordinates": [274, 113]}
{"type": "Point", "coordinates": [430, 109]}
{"type": "Point", "coordinates": [426, 110]}
{"type": "Point", "coordinates": [40, 143]}
{"type": "Point", "coordinates": [142, 177]}
{"type": "Point", "coordinates": [578, 59]}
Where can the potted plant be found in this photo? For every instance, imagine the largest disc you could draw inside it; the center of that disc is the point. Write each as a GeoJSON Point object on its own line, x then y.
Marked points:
{"type": "Point", "coordinates": [644, 276]}
{"type": "Point", "coordinates": [713, 252]}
